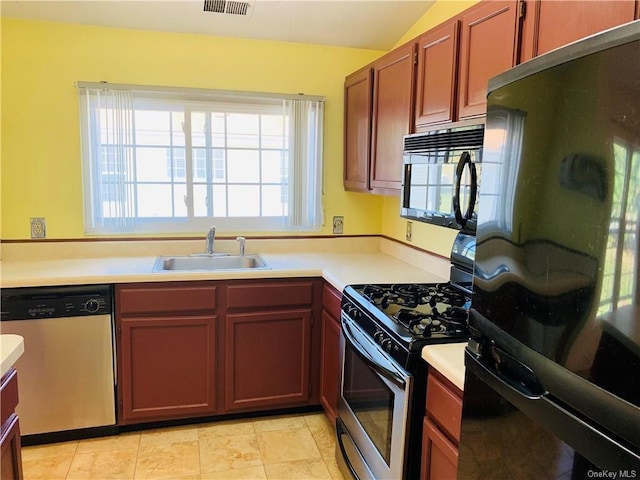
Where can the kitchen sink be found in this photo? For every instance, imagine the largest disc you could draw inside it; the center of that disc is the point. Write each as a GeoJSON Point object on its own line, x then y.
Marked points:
{"type": "Point", "coordinates": [214, 262]}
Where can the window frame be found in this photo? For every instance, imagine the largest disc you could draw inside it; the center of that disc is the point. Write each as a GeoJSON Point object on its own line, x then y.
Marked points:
{"type": "Point", "coordinates": [190, 100]}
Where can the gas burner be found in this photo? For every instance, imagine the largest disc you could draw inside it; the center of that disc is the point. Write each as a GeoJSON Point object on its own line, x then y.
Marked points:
{"type": "Point", "coordinates": [408, 317]}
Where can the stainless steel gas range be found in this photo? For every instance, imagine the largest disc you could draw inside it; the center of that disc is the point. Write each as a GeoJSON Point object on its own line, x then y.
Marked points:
{"type": "Point", "coordinates": [383, 379]}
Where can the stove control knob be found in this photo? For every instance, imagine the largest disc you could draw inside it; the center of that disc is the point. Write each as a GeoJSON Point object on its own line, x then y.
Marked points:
{"type": "Point", "coordinates": [386, 344]}
{"type": "Point", "coordinates": [378, 336]}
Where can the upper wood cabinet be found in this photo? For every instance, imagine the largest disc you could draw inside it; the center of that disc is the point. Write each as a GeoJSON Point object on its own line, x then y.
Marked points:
{"type": "Point", "coordinates": [457, 59]}
{"type": "Point", "coordinates": [357, 129]}
{"type": "Point", "coordinates": [552, 24]}
{"type": "Point", "coordinates": [393, 115]}
{"type": "Point", "coordinates": [437, 74]}
{"type": "Point", "coordinates": [489, 32]}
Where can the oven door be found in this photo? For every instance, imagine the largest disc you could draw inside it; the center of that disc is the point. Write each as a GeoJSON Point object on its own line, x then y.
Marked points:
{"type": "Point", "coordinates": [373, 408]}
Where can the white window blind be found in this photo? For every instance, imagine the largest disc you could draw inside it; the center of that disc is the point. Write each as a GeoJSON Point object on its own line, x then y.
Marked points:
{"type": "Point", "coordinates": [169, 160]}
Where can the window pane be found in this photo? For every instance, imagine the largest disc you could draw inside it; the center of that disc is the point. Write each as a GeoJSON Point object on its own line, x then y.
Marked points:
{"type": "Point", "coordinates": [180, 200]}
{"type": "Point", "coordinates": [199, 164]}
{"type": "Point", "coordinates": [177, 123]}
{"type": "Point", "coordinates": [272, 131]}
{"type": "Point", "coordinates": [272, 166]}
{"type": "Point", "coordinates": [200, 201]}
{"type": "Point", "coordinates": [198, 129]}
{"type": "Point", "coordinates": [243, 130]}
{"type": "Point", "coordinates": [219, 201]}
{"type": "Point", "coordinates": [218, 167]}
{"type": "Point", "coordinates": [218, 129]}
{"type": "Point", "coordinates": [272, 201]}
{"type": "Point", "coordinates": [154, 165]}
{"type": "Point", "coordinates": [154, 200]}
{"type": "Point", "coordinates": [153, 127]}
{"type": "Point", "coordinates": [244, 201]}
{"type": "Point", "coordinates": [244, 166]}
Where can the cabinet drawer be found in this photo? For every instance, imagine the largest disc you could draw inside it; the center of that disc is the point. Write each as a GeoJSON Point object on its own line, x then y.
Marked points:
{"type": "Point", "coordinates": [269, 294]}
{"type": "Point", "coordinates": [181, 298]}
{"type": "Point", "coordinates": [8, 394]}
{"type": "Point", "coordinates": [444, 406]}
{"type": "Point", "coordinates": [331, 300]}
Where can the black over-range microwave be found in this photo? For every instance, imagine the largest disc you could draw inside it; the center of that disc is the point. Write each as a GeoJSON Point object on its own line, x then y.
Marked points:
{"type": "Point", "coordinates": [441, 176]}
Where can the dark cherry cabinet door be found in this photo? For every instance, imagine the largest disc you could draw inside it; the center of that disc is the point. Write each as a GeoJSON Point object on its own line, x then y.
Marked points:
{"type": "Point", "coordinates": [330, 351]}
{"type": "Point", "coordinates": [357, 129]}
{"type": "Point", "coordinates": [488, 47]}
{"type": "Point", "coordinates": [167, 367]}
{"type": "Point", "coordinates": [267, 359]}
{"type": "Point", "coordinates": [552, 24]}
{"type": "Point", "coordinates": [11, 456]}
{"type": "Point", "coordinates": [437, 75]}
{"type": "Point", "coordinates": [393, 116]}
{"type": "Point", "coordinates": [439, 455]}
{"type": "Point", "coordinates": [166, 350]}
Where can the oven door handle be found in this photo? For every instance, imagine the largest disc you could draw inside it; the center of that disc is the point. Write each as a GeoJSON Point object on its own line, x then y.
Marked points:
{"type": "Point", "coordinates": [381, 365]}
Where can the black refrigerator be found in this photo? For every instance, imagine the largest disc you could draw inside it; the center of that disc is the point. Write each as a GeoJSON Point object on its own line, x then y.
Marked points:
{"type": "Point", "coordinates": [552, 385]}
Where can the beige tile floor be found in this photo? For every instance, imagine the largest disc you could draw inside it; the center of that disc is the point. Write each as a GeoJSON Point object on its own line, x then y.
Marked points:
{"type": "Point", "coordinates": [285, 447]}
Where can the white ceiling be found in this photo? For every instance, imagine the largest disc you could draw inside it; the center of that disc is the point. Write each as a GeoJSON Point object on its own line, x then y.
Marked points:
{"type": "Point", "coordinates": [369, 24]}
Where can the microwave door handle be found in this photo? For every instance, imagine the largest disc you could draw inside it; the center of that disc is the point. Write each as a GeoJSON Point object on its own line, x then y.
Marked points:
{"type": "Point", "coordinates": [465, 159]}
{"type": "Point", "coordinates": [378, 366]}
{"type": "Point", "coordinates": [473, 192]}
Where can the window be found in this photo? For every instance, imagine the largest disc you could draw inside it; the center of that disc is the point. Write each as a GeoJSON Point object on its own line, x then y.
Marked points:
{"type": "Point", "coordinates": [167, 160]}
{"type": "Point", "coordinates": [619, 279]}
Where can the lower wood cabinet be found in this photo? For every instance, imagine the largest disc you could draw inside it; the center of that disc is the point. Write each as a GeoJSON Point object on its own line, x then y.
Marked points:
{"type": "Point", "coordinates": [166, 350]}
{"type": "Point", "coordinates": [267, 360]}
{"type": "Point", "coordinates": [441, 429]}
{"type": "Point", "coordinates": [168, 367]}
{"type": "Point", "coordinates": [11, 458]}
{"type": "Point", "coordinates": [330, 352]}
{"type": "Point", "coordinates": [196, 349]}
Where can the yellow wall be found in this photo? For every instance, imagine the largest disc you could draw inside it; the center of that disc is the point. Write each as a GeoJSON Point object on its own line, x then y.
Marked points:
{"type": "Point", "coordinates": [41, 168]}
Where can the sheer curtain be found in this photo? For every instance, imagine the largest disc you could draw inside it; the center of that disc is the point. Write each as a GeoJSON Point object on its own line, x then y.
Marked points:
{"type": "Point", "coordinates": [305, 163]}
{"type": "Point", "coordinates": [107, 123]}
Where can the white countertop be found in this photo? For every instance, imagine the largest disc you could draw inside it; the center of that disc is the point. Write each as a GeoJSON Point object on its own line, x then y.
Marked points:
{"type": "Point", "coordinates": [448, 359]}
{"type": "Point", "coordinates": [339, 269]}
{"type": "Point", "coordinates": [11, 349]}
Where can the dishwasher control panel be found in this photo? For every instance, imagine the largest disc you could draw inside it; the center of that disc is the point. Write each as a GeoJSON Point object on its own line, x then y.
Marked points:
{"type": "Point", "coordinates": [56, 302]}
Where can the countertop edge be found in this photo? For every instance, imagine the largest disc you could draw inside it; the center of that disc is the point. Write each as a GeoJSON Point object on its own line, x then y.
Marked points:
{"type": "Point", "coordinates": [11, 349]}
{"type": "Point", "coordinates": [448, 359]}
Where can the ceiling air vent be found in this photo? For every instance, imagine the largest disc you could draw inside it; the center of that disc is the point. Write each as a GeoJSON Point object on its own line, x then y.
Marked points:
{"type": "Point", "coordinates": [229, 7]}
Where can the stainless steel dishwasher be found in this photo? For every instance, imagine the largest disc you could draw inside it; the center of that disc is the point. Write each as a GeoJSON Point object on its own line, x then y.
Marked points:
{"type": "Point", "coordinates": [66, 381]}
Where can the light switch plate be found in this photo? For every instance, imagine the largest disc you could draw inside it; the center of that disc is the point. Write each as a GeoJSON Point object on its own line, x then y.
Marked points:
{"type": "Point", "coordinates": [38, 227]}
{"type": "Point", "coordinates": [338, 225]}
{"type": "Point", "coordinates": [409, 232]}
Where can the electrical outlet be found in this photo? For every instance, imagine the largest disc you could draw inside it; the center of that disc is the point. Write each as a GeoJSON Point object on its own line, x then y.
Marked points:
{"type": "Point", "coordinates": [38, 227]}
{"type": "Point", "coordinates": [338, 225]}
{"type": "Point", "coordinates": [409, 232]}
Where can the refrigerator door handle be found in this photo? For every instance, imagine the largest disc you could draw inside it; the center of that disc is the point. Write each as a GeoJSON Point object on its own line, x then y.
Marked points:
{"type": "Point", "coordinates": [597, 445]}
{"type": "Point", "coordinates": [508, 369]}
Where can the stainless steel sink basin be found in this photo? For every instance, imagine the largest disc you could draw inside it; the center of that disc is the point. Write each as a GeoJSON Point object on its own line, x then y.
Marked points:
{"type": "Point", "coordinates": [200, 263]}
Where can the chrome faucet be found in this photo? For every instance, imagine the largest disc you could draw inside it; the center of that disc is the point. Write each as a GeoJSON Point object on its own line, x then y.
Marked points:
{"type": "Point", "coordinates": [242, 242]}
{"type": "Point", "coordinates": [211, 237]}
